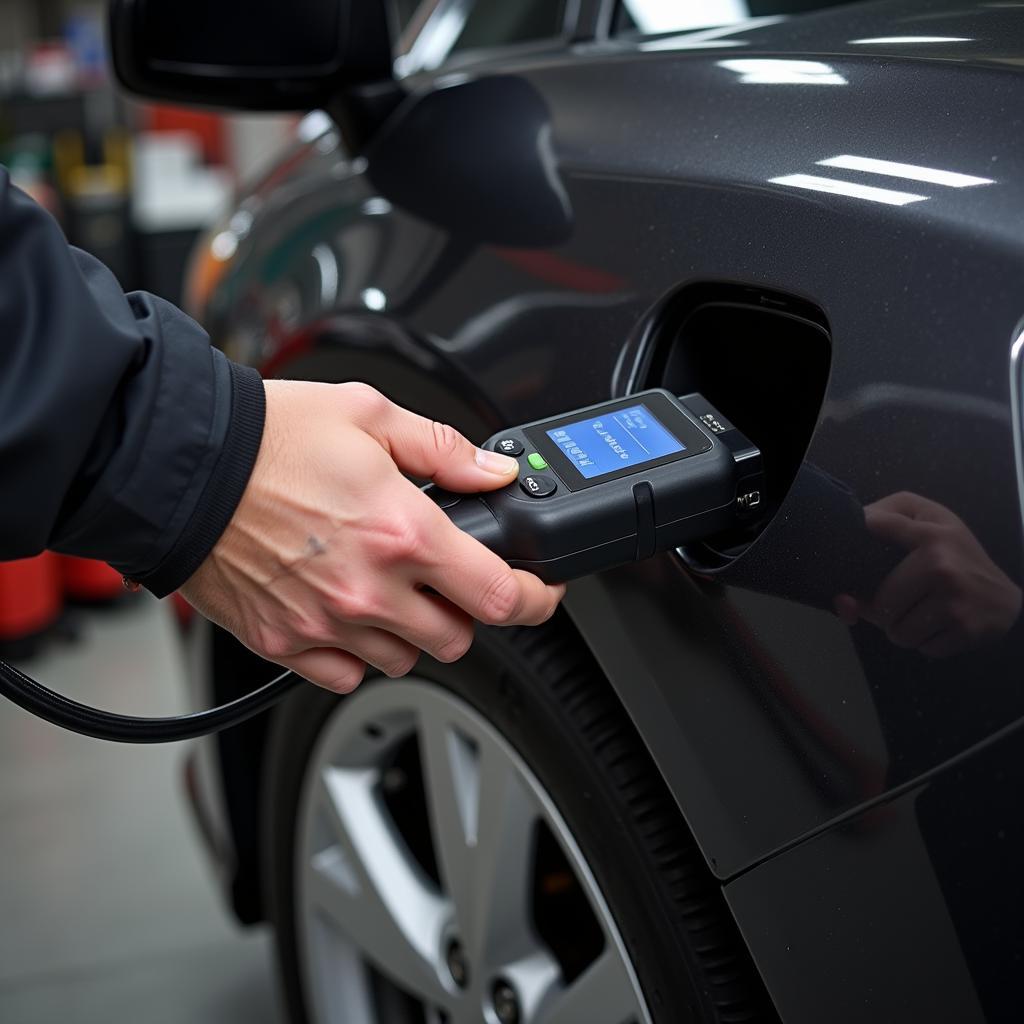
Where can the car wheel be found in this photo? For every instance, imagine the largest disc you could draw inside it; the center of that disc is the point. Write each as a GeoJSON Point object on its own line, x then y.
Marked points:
{"type": "Point", "coordinates": [488, 841]}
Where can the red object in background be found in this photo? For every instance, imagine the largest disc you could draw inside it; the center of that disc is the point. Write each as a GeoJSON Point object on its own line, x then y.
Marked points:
{"type": "Point", "coordinates": [31, 596]}
{"type": "Point", "coordinates": [208, 127]}
{"type": "Point", "coordinates": [86, 580]}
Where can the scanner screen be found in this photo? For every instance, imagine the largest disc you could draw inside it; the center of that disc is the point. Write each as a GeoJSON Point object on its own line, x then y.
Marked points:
{"type": "Point", "coordinates": [615, 441]}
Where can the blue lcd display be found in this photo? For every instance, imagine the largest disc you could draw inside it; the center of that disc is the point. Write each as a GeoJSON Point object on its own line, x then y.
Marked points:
{"type": "Point", "coordinates": [614, 441]}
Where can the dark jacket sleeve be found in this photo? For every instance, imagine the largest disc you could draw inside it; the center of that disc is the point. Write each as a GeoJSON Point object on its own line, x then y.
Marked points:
{"type": "Point", "coordinates": [124, 435]}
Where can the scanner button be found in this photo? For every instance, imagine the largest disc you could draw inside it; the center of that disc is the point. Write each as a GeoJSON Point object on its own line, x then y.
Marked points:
{"type": "Point", "coordinates": [538, 486]}
{"type": "Point", "coordinates": [536, 460]}
{"type": "Point", "coordinates": [509, 446]}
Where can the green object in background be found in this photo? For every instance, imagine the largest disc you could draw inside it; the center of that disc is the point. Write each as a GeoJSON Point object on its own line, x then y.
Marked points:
{"type": "Point", "coordinates": [536, 460]}
{"type": "Point", "coordinates": [27, 155]}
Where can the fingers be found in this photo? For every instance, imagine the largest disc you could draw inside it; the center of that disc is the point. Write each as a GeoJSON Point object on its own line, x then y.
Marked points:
{"type": "Point", "coordinates": [430, 551]}
{"type": "Point", "coordinates": [394, 656]}
{"type": "Point", "coordinates": [437, 451]}
{"type": "Point", "coordinates": [924, 627]}
{"type": "Point", "coordinates": [906, 503]}
{"type": "Point", "coordinates": [334, 670]}
{"type": "Point", "coordinates": [340, 667]}
{"type": "Point", "coordinates": [907, 518]}
{"type": "Point", "coordinates": [910, 629]}
{"type": "Point", "coordinates": [908, 584]}
{"type": "Point", "coordinates": [925, 621]}
{"type": "Point", "coordinates": [433, 624]}
{"type": "Point", "coordinates": [484, 586]}
{"type": "Point", "coordinates": [895, 527]}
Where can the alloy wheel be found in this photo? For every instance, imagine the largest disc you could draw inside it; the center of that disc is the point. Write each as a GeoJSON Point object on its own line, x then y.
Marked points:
{"type": "Point", "coordinates": [437, 882]}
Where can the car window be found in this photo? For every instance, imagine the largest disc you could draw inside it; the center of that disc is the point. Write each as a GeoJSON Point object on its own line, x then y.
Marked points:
{"type": "Point", "coordinates": [505, 22]}
{"type": "Point", "coordinates": [652, 17]}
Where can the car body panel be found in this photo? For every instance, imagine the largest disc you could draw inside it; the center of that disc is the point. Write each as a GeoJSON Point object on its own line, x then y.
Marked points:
{"type": "Point", "coordinates": [910, 909]}
{"type": "Point", "coordinates": [772, 722]}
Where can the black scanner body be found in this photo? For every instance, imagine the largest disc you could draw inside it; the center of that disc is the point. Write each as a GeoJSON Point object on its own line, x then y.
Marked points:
{"type": "Point", "coordinates": [587, 525]}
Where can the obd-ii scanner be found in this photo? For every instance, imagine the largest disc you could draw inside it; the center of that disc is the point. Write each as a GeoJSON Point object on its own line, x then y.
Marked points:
{"type": "Point", "coordinates": [611, 483]}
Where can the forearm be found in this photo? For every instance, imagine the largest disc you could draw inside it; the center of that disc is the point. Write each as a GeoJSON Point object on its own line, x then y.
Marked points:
{"type": "Point", "coordinates": [123, 435]}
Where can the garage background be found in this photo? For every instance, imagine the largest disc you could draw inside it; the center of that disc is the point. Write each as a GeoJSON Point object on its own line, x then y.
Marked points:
{"type": "Point", "coordinates": [108, 911]}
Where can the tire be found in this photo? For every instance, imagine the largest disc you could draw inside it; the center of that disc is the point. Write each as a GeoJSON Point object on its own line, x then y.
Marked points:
{"type": "Point", "coordinates": [543, 695]}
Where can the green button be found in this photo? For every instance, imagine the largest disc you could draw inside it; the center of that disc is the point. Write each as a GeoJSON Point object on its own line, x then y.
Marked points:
{"type": "Point", "coordinates": [536, 460]}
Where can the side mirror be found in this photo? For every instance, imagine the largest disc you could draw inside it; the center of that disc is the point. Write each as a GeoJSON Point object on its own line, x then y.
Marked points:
{"type": "Point", "coordinates": [250, 54]}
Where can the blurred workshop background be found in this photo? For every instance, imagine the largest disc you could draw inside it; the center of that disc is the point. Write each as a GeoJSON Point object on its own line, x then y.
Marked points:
{"type": "Point", "coordinates": [133, 183]}
{"type": "Point", "coordinates": [107, 905]}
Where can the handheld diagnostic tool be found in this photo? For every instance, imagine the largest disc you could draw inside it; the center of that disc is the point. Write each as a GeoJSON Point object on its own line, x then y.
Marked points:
{"type": "Point", "coordinates": [613, 483]}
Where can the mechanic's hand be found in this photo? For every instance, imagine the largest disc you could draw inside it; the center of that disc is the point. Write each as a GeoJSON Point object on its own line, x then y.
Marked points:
{"type": "Point", "coordinates": [323, 567]}
{"type": "Point", "coordinates": [947, 596]}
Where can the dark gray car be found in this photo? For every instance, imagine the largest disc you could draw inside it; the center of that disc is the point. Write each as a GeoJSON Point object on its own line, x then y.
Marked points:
{"type": "Point", "coordinates": [777, 775]}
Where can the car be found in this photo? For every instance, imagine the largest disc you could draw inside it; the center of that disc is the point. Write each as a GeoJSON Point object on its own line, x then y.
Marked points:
{"type": "Point", "coordinates": [773, 775]}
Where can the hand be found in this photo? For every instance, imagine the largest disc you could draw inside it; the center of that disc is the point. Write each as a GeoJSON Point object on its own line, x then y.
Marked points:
{"type": "Point", "coordinates": [324, 565]}
{"type": "Point", "coordinates": [947, 596]}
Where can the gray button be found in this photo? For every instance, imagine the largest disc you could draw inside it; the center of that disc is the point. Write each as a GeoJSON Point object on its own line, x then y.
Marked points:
{"type": "Point", "coordinates": [509, 446]}
{"type": "Point", "coordinates": [538, 486]}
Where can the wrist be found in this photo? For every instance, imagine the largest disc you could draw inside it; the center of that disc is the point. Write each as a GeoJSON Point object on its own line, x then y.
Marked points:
{"type": "Point", "coordinates": [224, 489]}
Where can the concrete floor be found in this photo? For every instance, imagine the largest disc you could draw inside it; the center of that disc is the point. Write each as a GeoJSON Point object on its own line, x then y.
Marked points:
{"type": "Point", "coordinates": [108, 913]}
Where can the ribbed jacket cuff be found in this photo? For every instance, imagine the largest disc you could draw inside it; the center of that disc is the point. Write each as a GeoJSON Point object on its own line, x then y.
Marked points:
{"type": "Point", "coordinates": [223, 490]}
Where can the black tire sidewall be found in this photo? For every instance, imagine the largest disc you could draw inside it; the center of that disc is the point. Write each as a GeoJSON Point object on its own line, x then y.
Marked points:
{"type": "Point", "coordinates": [518, 693]}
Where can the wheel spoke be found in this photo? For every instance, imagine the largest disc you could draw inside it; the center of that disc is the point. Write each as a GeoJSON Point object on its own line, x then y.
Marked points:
{"type": "Point", "coordinates": [482, 820]}
{"type": "Point", "coordinates": [504, 864]}
{"type": "Point", "coordinates": [451, 781]}
{"type": "Point", "coordinates": [370, 889]}
{"type": "Point", "coordinates": [602, 994]}
{"type": "Point", "coordinates": [341, 987]}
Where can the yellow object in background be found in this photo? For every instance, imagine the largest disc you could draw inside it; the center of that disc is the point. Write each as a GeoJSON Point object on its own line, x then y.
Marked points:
{"type": "Point", "coordinates": [76, 177]}
{"type": "Point", "coordinates": [68, 153]}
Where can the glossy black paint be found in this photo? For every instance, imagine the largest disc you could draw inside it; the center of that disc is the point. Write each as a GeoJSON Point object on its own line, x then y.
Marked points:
{"type": "Point", "coordinates": [908, 911]}
{"type": "Point", "coordinates": [511, 157]}
{"type": "Point", "coordinates": [774, 723]}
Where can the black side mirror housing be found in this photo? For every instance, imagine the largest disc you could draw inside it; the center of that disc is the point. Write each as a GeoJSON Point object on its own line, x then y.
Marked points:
{"type": "Point", "coordinates": [250, 54]}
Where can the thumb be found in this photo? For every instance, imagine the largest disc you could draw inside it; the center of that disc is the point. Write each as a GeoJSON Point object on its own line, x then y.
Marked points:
{"type": "Point", "coordinates": [437, 451]}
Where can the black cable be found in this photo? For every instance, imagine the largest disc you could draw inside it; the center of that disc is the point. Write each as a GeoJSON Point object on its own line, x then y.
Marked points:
{"type": "Point", "coordinates": [44, 703]}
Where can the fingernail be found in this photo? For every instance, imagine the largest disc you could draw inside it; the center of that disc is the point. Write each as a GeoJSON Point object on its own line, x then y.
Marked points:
{"type": "Point", "coordinates": [494, 462]}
